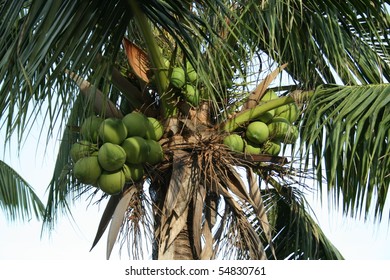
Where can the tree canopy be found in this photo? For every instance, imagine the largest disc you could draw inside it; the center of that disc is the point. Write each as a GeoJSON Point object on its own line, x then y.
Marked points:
{"type": "Point", "coordinates": [68, 59]}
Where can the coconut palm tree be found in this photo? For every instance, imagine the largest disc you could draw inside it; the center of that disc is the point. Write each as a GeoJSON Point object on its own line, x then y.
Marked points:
{"type": "Point", "coordinates": [210, 196]}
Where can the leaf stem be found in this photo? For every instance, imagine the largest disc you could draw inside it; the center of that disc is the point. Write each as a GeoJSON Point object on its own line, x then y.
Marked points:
{"type": "Point", "coordinates": [156, 58]}
{"type": "Point", "coordinates": [247, 115]}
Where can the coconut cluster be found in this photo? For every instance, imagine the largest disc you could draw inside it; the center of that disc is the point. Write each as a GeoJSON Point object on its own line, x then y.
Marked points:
{"type": "Point", "coordinates": [265, 134]}
{"type": "Point", "coordinates": [185, 80]}
{"type": "Point", "coordinates": [114, 151]}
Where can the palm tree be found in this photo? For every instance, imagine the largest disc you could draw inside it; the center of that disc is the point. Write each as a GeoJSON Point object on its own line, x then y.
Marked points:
{"type": "Point", "coordinates": [207, 199]}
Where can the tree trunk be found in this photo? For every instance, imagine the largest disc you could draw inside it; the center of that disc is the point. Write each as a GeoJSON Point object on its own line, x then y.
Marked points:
{"type": "Point", "coordinates": [178, 227]}
{"type": "Point", "coordinates": [175, 193]}
{"type": "Point", "coordinates": [180, 249]}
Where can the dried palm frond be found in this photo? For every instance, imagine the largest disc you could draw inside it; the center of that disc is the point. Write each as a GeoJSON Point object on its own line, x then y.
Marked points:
{"type": "Point", "coordinates": [202, 178]}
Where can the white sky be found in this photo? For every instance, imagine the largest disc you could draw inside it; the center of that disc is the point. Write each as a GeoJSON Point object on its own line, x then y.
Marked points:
{"type": "Point", "coordinates": [72, 240]}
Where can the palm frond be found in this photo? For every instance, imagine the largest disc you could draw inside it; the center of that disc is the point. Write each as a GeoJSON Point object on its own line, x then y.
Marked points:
{"type": "Point", "coordinates": [17, 198]}
{"type": "Point", "coordinates": [41, 40]}
{"type": "Point", "coordinates": [345, 132]}
{"type": "Point", "coordinates": [323, 42]}
{"type": "Point", "coordinates": [296, 234]}
{"type": "Point", "coordinates": [117, 219]}
{"type": "Point", "coordinates": [345, 129]}
{"type": "Point", "coordinates": [341, 34]}
{"type": "Point", "coordinates": [294, 230]}
{"type": "Point", "coordinates": [194, 33]}
{"type": "Point", "coordinates": [106, 218]}
{"type": "Point", "coordinates": [63, 188]}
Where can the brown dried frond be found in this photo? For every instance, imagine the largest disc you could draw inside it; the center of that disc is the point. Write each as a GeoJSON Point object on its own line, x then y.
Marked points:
{"type": "Point", "coordinates": [137, 226]}
{"type": "Point", "coordinates": [205, 178]}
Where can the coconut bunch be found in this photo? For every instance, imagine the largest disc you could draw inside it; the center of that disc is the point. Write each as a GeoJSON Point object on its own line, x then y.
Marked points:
{"type": "Point", "coordinates": [266, 133]}
{"type": "Point", "coordinates": [185, 80]}
{"type": "Point", "coordinates": [114, 151]}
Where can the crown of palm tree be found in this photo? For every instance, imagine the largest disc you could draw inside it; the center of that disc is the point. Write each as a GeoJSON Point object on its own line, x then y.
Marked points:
{"type": "Point", "coordinates": [69, 60]}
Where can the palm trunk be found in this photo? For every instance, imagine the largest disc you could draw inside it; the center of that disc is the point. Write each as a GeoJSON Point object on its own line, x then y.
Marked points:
{"type": "Point", "coordinates": [172, 234]}
{"type": "Point", "coordinates": [179, 249]}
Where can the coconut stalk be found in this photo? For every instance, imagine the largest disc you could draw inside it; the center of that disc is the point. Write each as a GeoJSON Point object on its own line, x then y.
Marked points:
{"type": "Point", "coordinates": [102, 105]}
{"type": "Point", "coordinates": [249, 114]}
{"type": "Point", "coordinates": [161, 75]}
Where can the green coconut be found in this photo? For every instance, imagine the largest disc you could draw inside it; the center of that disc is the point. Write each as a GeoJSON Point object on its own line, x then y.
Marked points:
{"type": "Point", "coordinates": [191, 94]}
{"type": "Point", "coordinates": [95, 153]}
{"type": "Point", "coordinates": [156, 153]}
{"type": "Point", "coordinates": [257, 132]}
{"type": "Point", "coordinates": [133, 172]}
{"type": "Point", "coordinates": [154, 130]}
{"type": "Point", "coordinates": [267, 116]}
{"type": "Point", "coordinates": [126, 172]}
{"type": "Point", "coordinates": [278, 128]}
{"type": "Point", "coordinates": [269, 95]}
{"type": "Point", "coordinates": [89, 129]}
{"type": "Point", "coordinates": [178, 78]}
{"type": "Point", "coordinates": [272, 148]}
{"type": "Point", "coordinates": [289, 112]}
{"type": "Point", "coordinates": [234, 142]}
{"type": "Point", "coordinates": [87, 170]}
{"type": "Point", "coordinates": [136, 148]}
{"type": "Point", "coordinates": [113, 130]}
{"type": "Point", "coordinates": [111, 156]}
{"type": "Point", "coordinates": [81, 149]}
{"type": "Point", "coordinates": [112, 182]}
{"type": "Point", "coordinates": [252, 148]}
{"type": "Point", "coordinates": [166, 63]}
{"type": "Point", "coordinates": [136, 124]}
{"type": "Point", "coordinates": [191, 73]}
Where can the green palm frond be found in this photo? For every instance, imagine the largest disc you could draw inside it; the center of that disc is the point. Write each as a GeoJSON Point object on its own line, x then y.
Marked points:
{"type": "Point", "coordinates": [17, 198]}
{"type": "Point", "coordinates": [63, 188]}
{"type": "Point", "coordinates": [61, 184]}
{"type": "Point", "coordinates": [202, 35]}
{"type": "Point", "coordinates": [322, 41]}
{"type": "Point", "coordinates": [217, 36]}
{"type": "Point", "coordinates": [345, 130]}
{"type": "Point", "coordinates": [297, 235]}
{"type": "Point", "coordinates": [40, 40]}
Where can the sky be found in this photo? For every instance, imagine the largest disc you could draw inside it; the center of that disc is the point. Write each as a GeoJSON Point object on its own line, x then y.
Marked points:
{"type": "Point", "coordinates": [72, 239]}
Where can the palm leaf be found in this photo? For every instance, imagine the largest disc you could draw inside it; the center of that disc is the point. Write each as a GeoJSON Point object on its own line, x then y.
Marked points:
{"type": "Point", "coordinates": [41, 45]}
{"type": "Point", "coordinates": [296, 235]}
{"type": "Point", "coordinates": [101, 104]}
{"type": "Point", "coordinates": [258, 93]}
{"type": "Point", "coordinates": [62, 187]}
{"type": "Point", "coordinates": [138, 60]}
{"type": "Point", "coordinates": [242, 240]}
{"type": "Point", "coordinates": [118, 217]}
{"type": "Point", "coordinates": [339, 29]}
{"type": "Point", "coordinates": [322, 42]}
{"type": "Point", "coordinates": [346, 132]}
{"type": "Point", "coordinates": [106, 218]}
{"type": "Point", "coordinates": [17, 198]}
